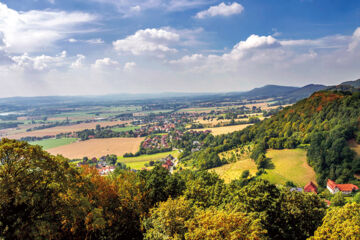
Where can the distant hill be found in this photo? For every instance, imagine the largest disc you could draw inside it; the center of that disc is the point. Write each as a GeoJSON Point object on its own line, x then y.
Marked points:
{"type": "Point", "coordinates": [305, 91]}
{"type": "Point", "coordinates": [270, 91]}
{"type": "Point", "coordinates": [355, 84]}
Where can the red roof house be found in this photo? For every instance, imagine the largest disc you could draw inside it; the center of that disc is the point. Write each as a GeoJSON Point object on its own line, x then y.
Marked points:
{"type": "Point", "coordinates": [344, 188]}
{"type": "Point", "coordinates": [310, 187]}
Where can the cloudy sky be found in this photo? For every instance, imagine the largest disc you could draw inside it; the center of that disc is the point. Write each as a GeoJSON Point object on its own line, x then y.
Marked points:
{"type": "Point", "coordinates": [78, 47]}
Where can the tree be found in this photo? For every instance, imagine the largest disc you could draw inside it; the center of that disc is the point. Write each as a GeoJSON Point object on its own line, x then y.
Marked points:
{"type": "Point", "coordinates": [340, 223]}
{"type": "Point", "coordinates": [245, 174]}
{"type": "Point", "coordinates": [356, 198]}
{"type": "Point", "coordinates": [167, 220]}
{"type": "Point", "coordinates": [212, 223]}
{"type": "Point", "coordinates": [41, 196]}
{"type": "Point", "coordinates": [338, 200]}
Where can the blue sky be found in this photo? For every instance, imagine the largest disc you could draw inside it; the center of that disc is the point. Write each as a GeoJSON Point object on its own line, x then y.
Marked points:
{"type": "Point", "coordinates": [78, 47]}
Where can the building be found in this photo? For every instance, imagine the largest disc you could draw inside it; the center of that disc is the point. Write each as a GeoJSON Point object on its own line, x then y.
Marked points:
{"type": "Point", "coordinates": [344, 188]}
{"type": "Point", "coordinates": [106, 170]}
{"type": "Point", "coordinates": [310, 187]}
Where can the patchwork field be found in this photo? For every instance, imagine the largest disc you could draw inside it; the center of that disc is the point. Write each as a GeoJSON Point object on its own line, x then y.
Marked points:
{"type": "Point", "coordinates": [53, 143]}
{"type": "Point", "coordinates": [224, 130]}
{"type": "Point", "coordinates": [63, 129]}
{"type": "Point", "coordinates": [98, 147]}
{"type": "Point", "coordinates": [124, 129]}
{"type": "Point", "coordinates": [140, 161]}
{"type": "Point", "coordinates": [289, 165]}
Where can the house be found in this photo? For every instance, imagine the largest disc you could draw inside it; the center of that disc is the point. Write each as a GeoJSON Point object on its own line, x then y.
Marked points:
{"type": "Point", "coordinates": [344, 188]}
{"type": "Point", "coordinates": [310, 187]}
{"type": "Point", "coordinates": [106, 170]}
{"type": "Point", "coordinates": [296, 189]}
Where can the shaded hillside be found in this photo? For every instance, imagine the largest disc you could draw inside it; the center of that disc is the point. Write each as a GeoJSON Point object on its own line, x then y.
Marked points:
{"type": "Point", "coordinates": [325, 121]}
{"type": "Point", "coordinates": [355, 84]}
{"type": "Point", "coordinates": [270, 91]}
{"type": "Point", "coordinates": [305, 91]}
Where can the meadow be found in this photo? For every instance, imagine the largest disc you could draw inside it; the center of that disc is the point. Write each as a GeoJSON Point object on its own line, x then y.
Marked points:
{"type": "Point", "coordinates": [289, 165]}
{"type": "Point", "coordinates": [54, 142]}
{"type": "Point", "coordinates": [125, 129]}
{"type": "Point", "coordinates": [98, 147]}
{"type": "Point", "coordinates": [140, 161]}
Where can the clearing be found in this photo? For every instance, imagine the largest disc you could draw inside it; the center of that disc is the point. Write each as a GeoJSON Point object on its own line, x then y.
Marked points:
{"type": "Point", "coordinates": [98, 147]}
{"type": "Point", "coordinates": [54, 142]}
{"type": "Point", "coordinates": [289, 165]}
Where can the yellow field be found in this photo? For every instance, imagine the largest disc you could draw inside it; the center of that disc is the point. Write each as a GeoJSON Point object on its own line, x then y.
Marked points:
{"type": "Point", "coordinates": [233, 171]}
{"type": "Point", "coordinates": [290, 165]}
{"type": "Point", "coordinates": [224, 130]}
{"type": "Point", "coordinates": [98, 147]}
{"type": "Point", "coordinates": [63, 129]}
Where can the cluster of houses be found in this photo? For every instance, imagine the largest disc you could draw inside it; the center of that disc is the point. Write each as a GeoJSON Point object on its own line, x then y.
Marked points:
{"type": "Point", "coordinates": [168, 162]}
{"type": "Point", "coordinates": [101, 165]}
{"type": "Point", "coordinates": [331, 186]}
{"type": "Point", "coordinates": [156, 142]}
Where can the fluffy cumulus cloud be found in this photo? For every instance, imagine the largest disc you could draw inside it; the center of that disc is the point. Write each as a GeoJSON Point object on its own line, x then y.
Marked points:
{"type": "Point", "coordinates": [221, 10]}
{"type": "Point", "coordinates": [39, 63]}
{"type": "Point", "coordinates": [355, 41]}
{"type": "Point", "coordinates": [105, 63]}
{"type": "Point", "coordinates": [36, 30]}
{"type": "Point", "coordinates": [78, 63]}
{"type": "Point", "coordinates": [149, 40]}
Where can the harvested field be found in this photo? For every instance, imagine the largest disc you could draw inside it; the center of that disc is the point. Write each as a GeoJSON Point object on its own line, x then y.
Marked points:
{"type": "Point", "coordinates": [63, 129]}
{"type": "Point", "coordinates": [355, 147]}
{"type": "Point", "coordinates": [98, 147]}
{"type": "Point", "coordinates": [224, 130]}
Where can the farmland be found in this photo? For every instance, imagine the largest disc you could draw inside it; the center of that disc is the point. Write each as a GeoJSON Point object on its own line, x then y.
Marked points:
{"type": "Point", "coordinates": [98, 147]}
{"type": "Point", "coordinates": [124, 129]}
{"type": "Point", "coordinates": [63, 129]}
{"type": "Point", "coordinates": [289, 165]}
{"type": "Point", "coordinates": [140, 161]}
{"type": "Point", "coordinates": [224, 130]}
{"type": "Point", "coordinates": [53, 143]}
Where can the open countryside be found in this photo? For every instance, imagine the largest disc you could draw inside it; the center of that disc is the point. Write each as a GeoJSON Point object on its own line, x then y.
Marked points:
{"type": "Point", "coordinates": [98, 147]}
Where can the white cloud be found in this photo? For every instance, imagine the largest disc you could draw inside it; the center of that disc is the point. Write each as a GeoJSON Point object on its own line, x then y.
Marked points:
{"type": "Point", "coordinates": [195, 58]}
{"type": "Point", "coordinates": [150, 40]}
{"type": "Point", "coordinates": [105, 63]}
{"type": "Point", "coordinates": [78, 62]}
{"type": "Point", "coordinates": [36, 30]}
{"type": "Point", "coordinates": [39, 63]}
{"type": "Point", "coordinates": [90, 41]}
{"type": "Point", "coordinates": [221, 10]}
{"type": "Point", "coordinates": [355, 42]}
{"type": "Point", "coordinates": [129, 66]}
{"type": "Point", "coordinates": [51, 1]}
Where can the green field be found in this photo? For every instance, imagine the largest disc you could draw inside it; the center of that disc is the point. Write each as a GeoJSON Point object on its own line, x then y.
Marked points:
{"type": "Point", "coordinates": [52, 143]}
{"type": "Point", "coordinates": [289, 165]}
{"type": "Point", "coordinates": [139, 162]}
{"type": "Point", "coordinates": [125, 129]}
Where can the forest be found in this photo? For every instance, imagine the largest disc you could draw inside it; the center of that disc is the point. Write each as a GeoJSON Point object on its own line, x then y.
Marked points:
{"type": "Point", "coordinates": [44, 197]}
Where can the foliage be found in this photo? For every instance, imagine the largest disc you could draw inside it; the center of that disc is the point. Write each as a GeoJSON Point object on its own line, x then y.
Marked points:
{"type": "Point", "coordinates": [340, 223]}
{"type": "Point", "coordinates": [167, 220]}
{"type": "Point", "coordinates": [338, 200]}
{"type": "Point", "coordinates": [220, 224]}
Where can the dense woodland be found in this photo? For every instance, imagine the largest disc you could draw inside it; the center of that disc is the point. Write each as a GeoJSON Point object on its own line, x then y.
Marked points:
{"type": "Point", "coordinates": [322, 123]}
{"type": "Point", "coordinates": [44, 197]}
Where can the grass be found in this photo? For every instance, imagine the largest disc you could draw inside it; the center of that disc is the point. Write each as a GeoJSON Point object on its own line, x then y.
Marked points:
{"type": "Point", "coordinates": [125, 129]}
{"type": "Point", "coordinates": [139, 162]}
{"type": "Point", "coordinates": [52, 143]}
{"type": "Point", "coordinates": [289, 165]}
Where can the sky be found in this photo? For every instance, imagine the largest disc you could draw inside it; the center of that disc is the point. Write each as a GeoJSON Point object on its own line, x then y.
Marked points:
{"type": "Point", "coordinates": [86, 47]}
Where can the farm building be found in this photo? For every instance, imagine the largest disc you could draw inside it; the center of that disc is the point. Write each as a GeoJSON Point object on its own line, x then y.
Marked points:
{"type": "Point", "coordinates": [310, 187]}
{"type": "Point", "coordinates": [344, 188]}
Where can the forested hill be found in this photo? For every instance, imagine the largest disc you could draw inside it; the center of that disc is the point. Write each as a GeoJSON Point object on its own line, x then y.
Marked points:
{"type": "Point", "coordinates": [324, 123]}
